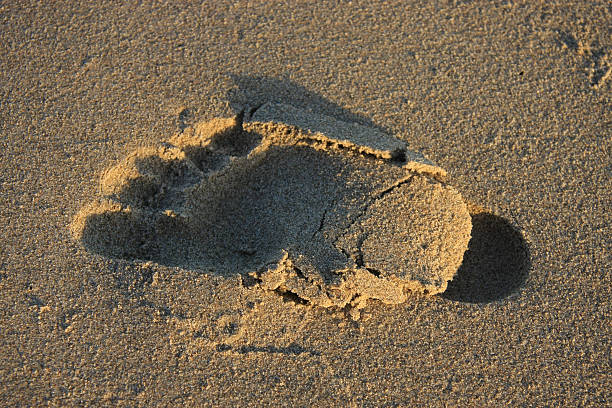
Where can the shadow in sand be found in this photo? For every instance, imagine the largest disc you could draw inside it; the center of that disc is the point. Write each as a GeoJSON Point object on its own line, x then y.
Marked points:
{"type": "Point", "coordinates": [237, 220]}
{"type": "Point", "coordinates": [495, 265]}
{"type": "Point", "coordinates": [250, 92]}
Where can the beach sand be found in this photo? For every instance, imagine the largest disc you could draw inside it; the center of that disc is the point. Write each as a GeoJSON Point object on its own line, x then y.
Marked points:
{"type": "Point", "coordinates": [511, 99]}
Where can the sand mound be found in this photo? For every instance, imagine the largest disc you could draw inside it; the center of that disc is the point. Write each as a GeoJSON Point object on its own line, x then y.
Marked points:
{"type": "Point", "coordinates": [327, 212]}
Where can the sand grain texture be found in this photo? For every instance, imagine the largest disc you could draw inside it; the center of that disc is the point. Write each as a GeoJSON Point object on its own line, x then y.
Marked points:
{"type": "Point", "coordinates": [511, 98]}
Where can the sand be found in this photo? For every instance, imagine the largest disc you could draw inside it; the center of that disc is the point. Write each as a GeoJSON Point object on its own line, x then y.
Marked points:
{"type": "Point", "coordinates": [512, 100]}
{"type": "Point", "coordinates": [331, 217]}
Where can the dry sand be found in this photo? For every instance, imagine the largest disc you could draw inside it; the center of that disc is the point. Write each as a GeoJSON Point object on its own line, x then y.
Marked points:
{"type": "Point", "coordinates": [511, 99]}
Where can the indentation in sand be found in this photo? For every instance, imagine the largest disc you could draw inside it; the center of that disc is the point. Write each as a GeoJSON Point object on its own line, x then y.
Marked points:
{"type": "Point", "coordinates": [596, 60]}
{"type": "Point", "coordinates": [326, 212]}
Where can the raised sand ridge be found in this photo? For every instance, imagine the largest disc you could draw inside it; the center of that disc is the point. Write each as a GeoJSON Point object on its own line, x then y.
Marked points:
{"type": "Point", "coordinates": [328, 212]}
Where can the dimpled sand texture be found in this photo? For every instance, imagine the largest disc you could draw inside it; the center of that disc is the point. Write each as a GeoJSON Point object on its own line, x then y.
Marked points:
{"type": "Point", "coordinates": [328, 212]}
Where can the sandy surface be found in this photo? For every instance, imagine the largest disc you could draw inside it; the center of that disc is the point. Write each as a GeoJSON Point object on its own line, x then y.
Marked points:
{"type": "Point", "coordinates": [513, 100]}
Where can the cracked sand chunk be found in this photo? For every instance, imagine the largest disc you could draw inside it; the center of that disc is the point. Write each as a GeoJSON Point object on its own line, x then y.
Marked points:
{"type": "Point", "coordinates": [329, 131]}
{"type": "Point", "coordinates": [419, 250]}
{"type": "Point", "coordinates": [318, 210]}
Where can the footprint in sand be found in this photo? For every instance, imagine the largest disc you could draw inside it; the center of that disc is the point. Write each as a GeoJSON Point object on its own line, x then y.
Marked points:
{"type": "Point", "coordinates": [334, 213]}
